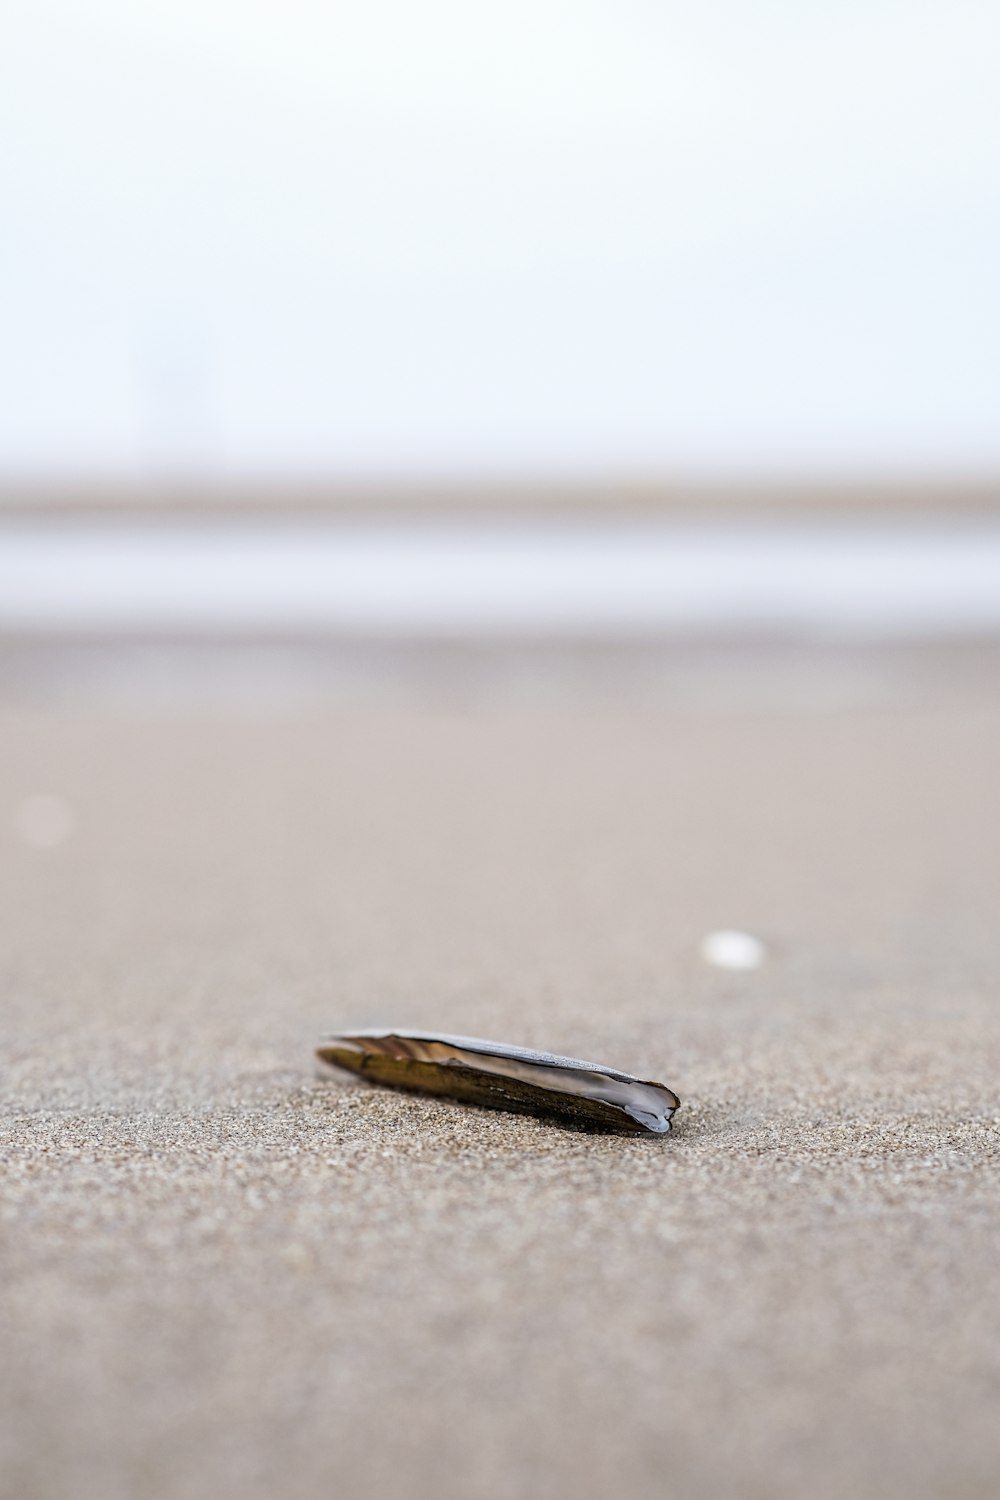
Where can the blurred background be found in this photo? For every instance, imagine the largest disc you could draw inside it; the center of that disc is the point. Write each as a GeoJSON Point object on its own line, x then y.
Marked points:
{"type": "Point", "coordinates": [567, 300]}
{"type": "Point", "coordinates": [610, 283]}
{"type": "Point", "coordinates": [499, 533]}
{"type": "Point", "coordinates": [318, 242]}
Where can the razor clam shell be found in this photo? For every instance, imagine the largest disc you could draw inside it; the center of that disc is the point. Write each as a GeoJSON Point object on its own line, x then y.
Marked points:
{"type": "Point", "coordinates": [502, 1077]}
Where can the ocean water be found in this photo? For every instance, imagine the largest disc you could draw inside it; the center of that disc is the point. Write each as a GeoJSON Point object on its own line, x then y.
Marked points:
{"type": "Point", "coordinates": [482, 578]}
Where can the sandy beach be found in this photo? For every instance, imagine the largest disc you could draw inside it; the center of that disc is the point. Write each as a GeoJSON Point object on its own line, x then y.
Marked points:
{"type": "Point", "coordinates": [221, 1275]}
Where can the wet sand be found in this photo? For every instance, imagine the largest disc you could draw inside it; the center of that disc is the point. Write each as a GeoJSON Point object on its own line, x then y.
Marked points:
{"type": "Point", "coordinates": [221, 1275]}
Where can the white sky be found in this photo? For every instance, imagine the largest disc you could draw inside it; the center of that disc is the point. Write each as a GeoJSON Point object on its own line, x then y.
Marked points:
{"type": "Point", "coordinates": [397, 238]}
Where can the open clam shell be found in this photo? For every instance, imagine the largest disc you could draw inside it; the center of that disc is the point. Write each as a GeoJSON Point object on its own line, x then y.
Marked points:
{"type": "Point", "coordinates": [502, 1077]}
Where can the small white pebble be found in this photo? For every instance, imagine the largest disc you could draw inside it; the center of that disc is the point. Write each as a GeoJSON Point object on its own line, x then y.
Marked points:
{"type": "Point", "coordinates": [727, 949]}
{"type": "Point", "coordinates": [44, 821]}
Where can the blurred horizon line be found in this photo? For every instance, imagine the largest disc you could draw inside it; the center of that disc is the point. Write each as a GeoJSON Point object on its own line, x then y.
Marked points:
{"type": "Point", "coordinates": [523, 497]}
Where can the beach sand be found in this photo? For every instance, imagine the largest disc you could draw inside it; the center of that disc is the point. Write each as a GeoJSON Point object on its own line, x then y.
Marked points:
{"type": "Point", "coordinates": [223, 1276]}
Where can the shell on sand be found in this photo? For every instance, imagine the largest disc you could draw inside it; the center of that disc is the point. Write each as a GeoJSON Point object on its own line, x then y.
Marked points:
{"type": "Point", "coordinates": [502, 1077]}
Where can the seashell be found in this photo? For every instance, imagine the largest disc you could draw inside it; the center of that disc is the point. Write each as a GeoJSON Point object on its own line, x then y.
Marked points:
{"type": "Point", "coordinates": [502, 1077]}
